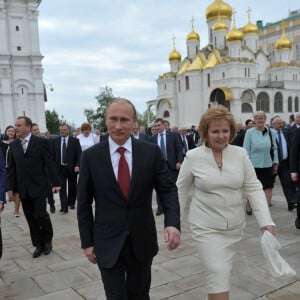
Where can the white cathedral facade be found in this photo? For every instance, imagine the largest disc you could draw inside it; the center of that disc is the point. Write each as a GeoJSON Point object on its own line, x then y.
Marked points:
{"type": "Point", "coordinates": [248, 68]}
{"type": "Point", "coordinates": [22, 91]}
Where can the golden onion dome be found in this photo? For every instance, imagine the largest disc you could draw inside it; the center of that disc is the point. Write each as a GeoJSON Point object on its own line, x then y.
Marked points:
{"type": "Point", "coordinates": [250, 28]}
{"type": "Point", "coordinates": [193, 35]}
{"type": "Point", "coordinates": [220, 25]}
{"type": "Point", "coordinates": [284, 42]}
{"type": "Point", "coordinates": [219, 7]}
{"type": "Point", "coordinates": [234, 35]}
{"type": "Point", "coordinates": [174, 55]}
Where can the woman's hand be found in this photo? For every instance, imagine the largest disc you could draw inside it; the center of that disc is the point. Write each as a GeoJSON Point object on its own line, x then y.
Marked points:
{"type": "Point", "coordinates": [269, 228]}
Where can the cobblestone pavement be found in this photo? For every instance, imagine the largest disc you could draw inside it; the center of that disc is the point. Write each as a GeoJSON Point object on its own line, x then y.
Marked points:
{"type": "Point", "coordinates": [178, 275]}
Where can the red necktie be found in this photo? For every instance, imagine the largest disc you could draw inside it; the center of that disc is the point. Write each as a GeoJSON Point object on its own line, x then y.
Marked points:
{"type": "Point", "coordinates": [123, 173]}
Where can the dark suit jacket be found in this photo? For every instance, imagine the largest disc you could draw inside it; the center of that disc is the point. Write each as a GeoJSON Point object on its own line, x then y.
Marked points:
{"type": "Point", "coordinates": [294, 157]}
{"type": "Point", "coordinates": [2, 178]}
{"type": "Point", "coordinates": [29, 169]}
{"type": "Point", "coordinates": [174, 148]}
{"type": "Point", "coordinates": [73, 153]}
{"type": "Point", "coordinates": [115, 216]}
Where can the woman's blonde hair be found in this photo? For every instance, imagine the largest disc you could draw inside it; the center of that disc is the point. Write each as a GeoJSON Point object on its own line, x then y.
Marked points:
{"type": "Point", "coordinates": [216, 113]}
{"type": "Point", "coordinates": [259, 113]}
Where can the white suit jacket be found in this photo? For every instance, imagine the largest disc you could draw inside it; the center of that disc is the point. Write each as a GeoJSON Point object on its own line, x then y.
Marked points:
{"type": "Point", "coordinates": [217, 194]}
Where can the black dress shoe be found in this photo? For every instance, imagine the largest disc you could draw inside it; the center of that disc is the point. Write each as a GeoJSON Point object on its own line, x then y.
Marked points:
{"type": "Point", "coordinates": [52, 209]}
{"type": "Point", "coordinates": [72, 206]}
{"type": "Point", "coordinates": [297, 222]}
{"type": "Point", "coordinates": [292, 206]}
{"type": "Point", "coordinates": [63, 211]}
{"type": "Point", "coordinates": [48, 248]}
{"type": "Point", "coordinates": [37, 252]}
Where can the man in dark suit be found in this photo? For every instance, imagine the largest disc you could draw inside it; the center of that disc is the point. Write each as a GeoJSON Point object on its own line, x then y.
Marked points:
{"type": "Point", "coordinates": [295, 169]}
{"type": "Point", "coordinates": [119, 174]}
{"type": "Point", "coordinates": [284, 140]}
{"type": "Point", "coordinates": [139, 135]}
{"type": "Point", "coordinates": [187, 140]}
{"type": "Point", "coordinates": [172, 151]}
{"type": "Point", "coordinates": [30, 156]}
{"type": "Point", "coordinates": [67, 155]}
{"type": "Point", "coordinates": [2, 193]}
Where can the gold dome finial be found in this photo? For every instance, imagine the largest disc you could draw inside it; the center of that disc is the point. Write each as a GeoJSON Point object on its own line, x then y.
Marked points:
{"type": "Point", "coordinates": [193, 35]}
{"type": "Point", "coordinates": [174, 56]}
{"type": "Point", "coordinates": [284, 42]}
{"type": "Point", "coordinates": [234, 35]}
{"type": "Point", "coordinates": [212, 11]}
{"type": "Point", "coordinates": [250, 28]}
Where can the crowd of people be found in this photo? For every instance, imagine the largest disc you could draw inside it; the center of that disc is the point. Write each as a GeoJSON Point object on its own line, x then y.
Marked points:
{"type": "Point", "coordinates": [111, 177]}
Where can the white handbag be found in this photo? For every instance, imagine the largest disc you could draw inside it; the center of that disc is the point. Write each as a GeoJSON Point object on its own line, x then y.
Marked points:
{"type": "Point", "coordinates": [278, 267]}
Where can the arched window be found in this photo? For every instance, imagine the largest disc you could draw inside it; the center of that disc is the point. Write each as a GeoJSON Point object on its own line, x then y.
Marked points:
{"type": "Point", "coordinates": [290, 104]}
{"type": "Point", "coordinates": [296, 106]}
{"type": "Point", "coordinates": [278, 103]}
{"type": "Point", "coordinates": [166, 114]}
{"type": "Point", "coordinates": [247, 108]}
{"type": "Point", "coordinates": [263, 102]}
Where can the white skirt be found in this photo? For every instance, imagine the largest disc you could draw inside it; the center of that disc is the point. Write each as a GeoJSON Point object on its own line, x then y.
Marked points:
{"type": "Point", "coordinates": [216, 251]}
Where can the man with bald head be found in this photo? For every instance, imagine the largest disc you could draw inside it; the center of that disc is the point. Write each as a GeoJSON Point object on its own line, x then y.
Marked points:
{"type": "Point", "coordinates": [119, 235]}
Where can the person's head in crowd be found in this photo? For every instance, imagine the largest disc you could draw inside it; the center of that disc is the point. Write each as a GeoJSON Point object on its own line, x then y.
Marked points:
{"type": "Point", "coordinates": [221, 118]}
{"type": "Point", "coordinates": [260, 118]}
{"type": "Point", "coordinates": [64, 130]}
{"type": "Point", "coordinates": [297, 118]}
{"type": "Point", "coordinates": [277, 123]}
{"type": "Point", "coordinates": [167, 124]}
{"type": "Point", "coordinates": [120, 119]}
{"type": "Point", "coordinates": [85, 129]}
{"type": "Point", "coordinates": [142, 129]}
{"type": "Point", "coordinates": [159, 125]}
{"type": "Point", "coordinates": [23, 126]}
{"type": "Point", "coordinates": [35, 130]}
{"type": "Point", "coordinates": [249, 124]}
{"type": "Point", "coordinates": [9, 133]}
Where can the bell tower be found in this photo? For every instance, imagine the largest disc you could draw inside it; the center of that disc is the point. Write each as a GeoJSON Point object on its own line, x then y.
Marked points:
{"type": "Point", "coordinates": [21, 72]}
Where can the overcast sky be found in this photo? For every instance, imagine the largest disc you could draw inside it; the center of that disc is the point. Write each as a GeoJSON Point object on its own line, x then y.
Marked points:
{"type": "Point", "coordinates": [123, 44]}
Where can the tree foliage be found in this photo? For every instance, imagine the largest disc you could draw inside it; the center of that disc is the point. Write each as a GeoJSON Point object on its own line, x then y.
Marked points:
{"type": "Point", "coordinates": [143, 118]}
{"type": "Point", "coordinates": [52, 121]}
{"type": "Point", "coordinates": [97, 117]}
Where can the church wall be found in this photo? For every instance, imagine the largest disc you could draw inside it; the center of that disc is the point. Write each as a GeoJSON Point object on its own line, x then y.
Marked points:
{"type": "Point", "coordinates": [20, 64]}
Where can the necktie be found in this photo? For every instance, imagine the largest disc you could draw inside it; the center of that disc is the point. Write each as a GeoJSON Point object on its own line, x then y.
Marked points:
{"type": "Point", "coordinates": [64, 151]}
{"type": "Point", "coordinates": [23, 143]}
{"type": "Point", "coordinates": [123, 173]}
{"type": "Point", "coordinates": [162, 146]}
{"type": "Point", "coordinates": [185, 149]}
{"type": "Point", "coordinates": [280, 150]}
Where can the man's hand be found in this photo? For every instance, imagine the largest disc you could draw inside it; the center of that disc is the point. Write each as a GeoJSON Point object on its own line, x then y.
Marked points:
{"type": "Point", "coordinates": [1, 207]}
{"type": "Point", "coordinates": [178, 165]}
{"type": "Point", "coordinates": [76, 169]}
{"type": "Point", "coordinates": [172, 237]}
{"type": "Point", "coordinates": [56, 189]}
{"type": "Point", "coordinates": [294, 177]}
{"type": "Point", "coordinates": [90, 254]}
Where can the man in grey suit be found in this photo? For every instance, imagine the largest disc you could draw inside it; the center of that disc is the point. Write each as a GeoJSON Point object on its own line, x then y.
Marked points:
{"type": "Point", "coordinates": [119, 235]}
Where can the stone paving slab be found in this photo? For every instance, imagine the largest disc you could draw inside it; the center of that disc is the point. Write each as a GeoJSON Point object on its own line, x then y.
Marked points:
{"type": "Point", "coordinates": [176, 275]}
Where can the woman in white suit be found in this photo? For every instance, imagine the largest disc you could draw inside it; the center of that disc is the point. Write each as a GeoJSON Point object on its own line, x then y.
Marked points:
{"type": "Point", "coordinates": [219, 174]}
